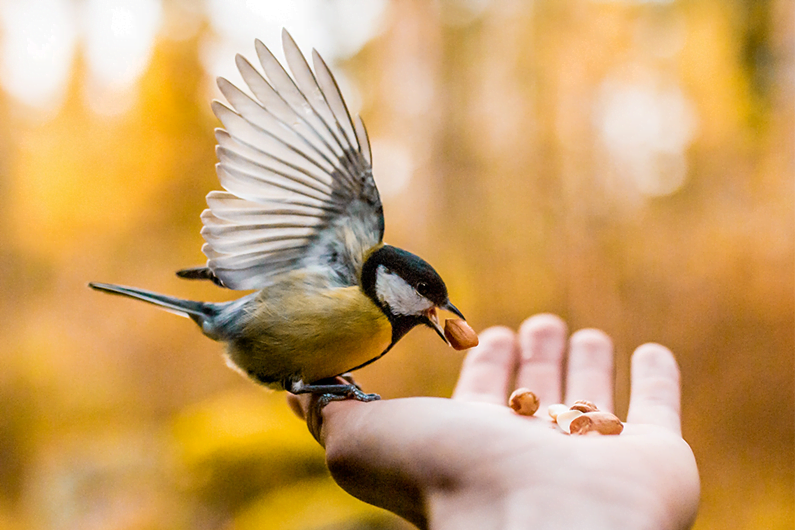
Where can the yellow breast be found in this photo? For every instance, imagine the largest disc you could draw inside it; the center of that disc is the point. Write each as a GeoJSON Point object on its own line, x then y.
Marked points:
{"type": "Point", "coordinates": [311, 335]}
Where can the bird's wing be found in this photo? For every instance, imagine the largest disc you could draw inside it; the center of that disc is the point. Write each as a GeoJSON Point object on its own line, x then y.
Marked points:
{"type": "Point", "coordinates": [297, 174]}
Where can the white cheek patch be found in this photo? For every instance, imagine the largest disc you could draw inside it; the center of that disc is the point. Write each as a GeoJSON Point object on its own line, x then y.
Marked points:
{"type": "Point", "coordinates": [401, 297]}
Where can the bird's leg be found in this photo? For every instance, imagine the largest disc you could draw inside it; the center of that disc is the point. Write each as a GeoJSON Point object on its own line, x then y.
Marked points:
{"type": "Point", "coordinates": [336, 388]}
{"type": "Point", "coordinates": [333, 390]}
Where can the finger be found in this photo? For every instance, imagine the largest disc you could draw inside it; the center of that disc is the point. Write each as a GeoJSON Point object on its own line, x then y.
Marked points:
{"type": "Point", "coordinates": [542, 341]}
{"type": "Point", "coordinates": [655, 393]}
{"type": "Point", "coordinates": [488, 368]}
{"type": "Point", "coordinates": [590, 370]}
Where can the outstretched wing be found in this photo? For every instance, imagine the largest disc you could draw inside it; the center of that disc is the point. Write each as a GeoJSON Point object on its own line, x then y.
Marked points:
{"type": "Point", "coordinates": [297, 174]}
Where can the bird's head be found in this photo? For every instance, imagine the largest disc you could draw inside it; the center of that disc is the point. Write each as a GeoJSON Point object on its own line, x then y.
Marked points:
{"type": "Point", "coordinates": [407, 289]}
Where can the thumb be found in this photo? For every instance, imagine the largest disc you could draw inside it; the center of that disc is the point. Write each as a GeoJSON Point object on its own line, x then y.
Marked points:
{"type": "Point", "coordinates": [376, 451]}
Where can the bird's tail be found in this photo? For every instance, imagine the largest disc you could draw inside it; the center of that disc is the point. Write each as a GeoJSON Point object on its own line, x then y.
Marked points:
{"type": "Point", "coordinates": [197, 311]}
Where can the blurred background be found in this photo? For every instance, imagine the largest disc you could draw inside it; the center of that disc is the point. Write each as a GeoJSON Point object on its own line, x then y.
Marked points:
{"type": "Point", "coordinates": [625, 164]}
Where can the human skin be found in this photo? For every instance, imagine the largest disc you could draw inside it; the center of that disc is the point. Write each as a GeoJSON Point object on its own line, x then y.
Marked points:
{"type": "Point", "coordinates": [470, 462]}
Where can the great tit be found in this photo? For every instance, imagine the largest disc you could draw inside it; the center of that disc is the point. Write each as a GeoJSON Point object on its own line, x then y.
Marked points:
{"type": "Point", "coordinates": [300, 221]}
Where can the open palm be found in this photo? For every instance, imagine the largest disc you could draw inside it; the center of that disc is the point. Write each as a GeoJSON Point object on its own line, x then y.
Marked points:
{"type": "Point", "coordinates": [470, 462]}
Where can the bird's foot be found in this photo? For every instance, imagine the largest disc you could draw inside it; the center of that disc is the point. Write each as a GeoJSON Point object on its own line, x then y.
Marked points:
{"type": "Point", "coordinates": [338, 388]}
{"type": "Point", "coordinates": [334, 390]}
{"type": "Point", "coordinates": [351, 392]}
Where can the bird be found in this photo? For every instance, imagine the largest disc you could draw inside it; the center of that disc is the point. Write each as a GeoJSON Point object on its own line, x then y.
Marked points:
{"type": "Point", "coordinates": [300, 221]}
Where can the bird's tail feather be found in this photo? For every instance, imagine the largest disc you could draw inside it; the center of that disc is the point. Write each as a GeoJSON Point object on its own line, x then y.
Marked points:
{"type": "Point", "coordinates": [198, 311]}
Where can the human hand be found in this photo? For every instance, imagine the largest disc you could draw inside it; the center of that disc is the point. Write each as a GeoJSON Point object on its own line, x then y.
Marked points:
{"type": "Point", "coordinates": [470, 462]}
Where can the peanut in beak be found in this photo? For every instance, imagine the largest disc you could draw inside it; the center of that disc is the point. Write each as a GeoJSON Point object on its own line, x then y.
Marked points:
{"type": "Point", "coordinates": [459, 334]}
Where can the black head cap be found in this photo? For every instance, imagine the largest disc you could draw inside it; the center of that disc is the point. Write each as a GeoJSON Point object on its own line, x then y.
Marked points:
{"type": "Point", "coordinates": [413, 269]}
{"type": "Point", "coordinates": [415, 272]}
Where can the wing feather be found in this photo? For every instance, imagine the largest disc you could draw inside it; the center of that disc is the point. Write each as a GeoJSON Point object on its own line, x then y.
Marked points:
{"type": "Point", "coordinates": [253, 166]}
{"type": "Point", "coordinates": [222, 200]}
{"type": "Point", "coordinates": [328, 86]}
{"type": "Point", "coordinates": [271, 146]}
{"type": "Point", "coordinates": [364, 139]}
{"type": "Point", "coordinates": [318, 153]}
{"type": "Point", "coordinates": [262, 184]}
{"type": "Point", "coordinates": [247, 260]}
{"type": "Point", "coordinates": [308, 84]}
{"type": "Point", "coordinates": [287, 115]}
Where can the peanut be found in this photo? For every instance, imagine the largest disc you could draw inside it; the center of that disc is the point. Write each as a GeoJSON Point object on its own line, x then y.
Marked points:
{"type": "Point", "coordinates": [584, 406]}
{"type": "Point", "coordinates": [523, 402]}
{"type": "Point", "coordinates": [599, 421]}
{"type": "Point", "coordinates": [460, 335]}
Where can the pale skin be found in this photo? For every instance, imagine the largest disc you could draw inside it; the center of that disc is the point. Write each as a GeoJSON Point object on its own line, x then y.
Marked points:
{"type": "Point", "coordinates": [471, 463]}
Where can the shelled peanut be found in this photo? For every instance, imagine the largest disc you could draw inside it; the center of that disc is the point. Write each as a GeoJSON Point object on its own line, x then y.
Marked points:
{"type": "Point", "coordinates": [584, 417]}
{"type": "Point", "coordinates": [459, 334]}
{"type": "Point", "coordinates": [584, 406]}
{"type": "Point", "coordinates": [598, 421]}
{"type": "Point", "coordinates": [523, 402]}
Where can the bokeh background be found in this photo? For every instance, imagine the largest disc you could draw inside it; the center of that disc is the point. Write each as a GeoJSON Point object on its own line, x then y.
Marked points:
{"type": "Point", "coordinates": [627, 165]}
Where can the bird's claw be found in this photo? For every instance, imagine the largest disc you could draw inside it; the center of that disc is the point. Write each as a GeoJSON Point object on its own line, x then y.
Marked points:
{"type": "Point", "coordinates": [336, 388]}
{"type": "Point", "coordinates": [351, 391]}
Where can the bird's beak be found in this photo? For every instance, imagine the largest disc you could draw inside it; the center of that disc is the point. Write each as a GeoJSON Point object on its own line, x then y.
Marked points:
{"type": "Point", "coordinates": [448, 306]}
{"type": "Point", "coordinates": [433, 318]}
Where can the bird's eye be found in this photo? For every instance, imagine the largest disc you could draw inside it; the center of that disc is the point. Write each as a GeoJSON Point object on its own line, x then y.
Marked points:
{"type": "Point", "coordinates": [422, 288]}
